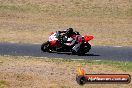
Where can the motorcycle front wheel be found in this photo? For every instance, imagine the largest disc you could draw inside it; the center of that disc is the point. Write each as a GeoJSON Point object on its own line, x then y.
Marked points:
{"type": "Point", "coordinates": [84, 48]}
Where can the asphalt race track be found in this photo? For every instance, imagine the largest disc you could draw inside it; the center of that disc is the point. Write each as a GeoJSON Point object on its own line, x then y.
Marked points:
{"type": "Point", "coordinates": [96, 53]}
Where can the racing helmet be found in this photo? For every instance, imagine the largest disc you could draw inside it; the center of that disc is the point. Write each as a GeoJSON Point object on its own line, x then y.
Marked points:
{"type": "Point", "coordinates": [69, 31]}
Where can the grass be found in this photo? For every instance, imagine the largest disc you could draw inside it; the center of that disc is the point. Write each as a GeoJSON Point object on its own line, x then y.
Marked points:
{"type": "Point", "coordinates": [37, 29]}
{"type": "Point", "coordinates": [3, 84]}
{"type": "Point", "coordinates": [20, 8]}
{"type": "Point", "coordinates": [70, 9]}
{"type": "Point", "coordinates": [125, 66]}
{"type": "Point", "coordinates": [109, 21]}
{"type": "Point", "coordinates": [54, 72]}
{"type": "Point", "coordinates": [121, 65]}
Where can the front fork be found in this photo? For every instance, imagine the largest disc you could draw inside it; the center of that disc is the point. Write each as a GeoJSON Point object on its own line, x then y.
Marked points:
{"type": "Point", "coordinates": [76, 47]}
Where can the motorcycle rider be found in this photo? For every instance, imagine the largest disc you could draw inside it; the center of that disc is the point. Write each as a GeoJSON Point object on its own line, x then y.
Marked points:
{"type": "Point", "coordinates": [68, 36]}
{"type": "Point", "coordinates": [71, 38]}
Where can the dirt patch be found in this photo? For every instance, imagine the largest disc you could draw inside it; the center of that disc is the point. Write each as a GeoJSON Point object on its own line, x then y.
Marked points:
{"type": "Point", "coordinates": [23, 72]}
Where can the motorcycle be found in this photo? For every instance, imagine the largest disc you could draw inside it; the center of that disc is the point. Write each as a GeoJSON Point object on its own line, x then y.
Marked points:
{"type": "Point", "coordinates": [56, 43]}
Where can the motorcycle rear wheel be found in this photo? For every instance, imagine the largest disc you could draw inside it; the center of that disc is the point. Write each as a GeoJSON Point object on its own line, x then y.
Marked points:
{"type": "Point", "coordinates": [45, 47]}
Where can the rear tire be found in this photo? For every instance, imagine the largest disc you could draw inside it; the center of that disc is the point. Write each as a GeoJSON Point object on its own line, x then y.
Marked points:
{"type": "Point", "coordinates": [45, 47]}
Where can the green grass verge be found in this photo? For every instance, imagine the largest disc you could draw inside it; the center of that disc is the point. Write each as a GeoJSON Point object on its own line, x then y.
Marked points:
{"type": "Point", "coordinates": [122, 65]}
{"type": "Point", "coordinates": [126, 66]}
{"type": "Point", "coordinates": [3, 84]}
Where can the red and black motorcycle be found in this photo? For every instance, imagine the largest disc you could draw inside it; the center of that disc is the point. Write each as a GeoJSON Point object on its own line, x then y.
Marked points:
{"type": "Point", "coordinates": [57, 44]}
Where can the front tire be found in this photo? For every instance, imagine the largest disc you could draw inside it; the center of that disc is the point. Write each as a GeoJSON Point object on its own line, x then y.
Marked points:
{"type": "Point", "coordinates": [87, 47]}
{"type": "Point", "coordinates": [84, 48]}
